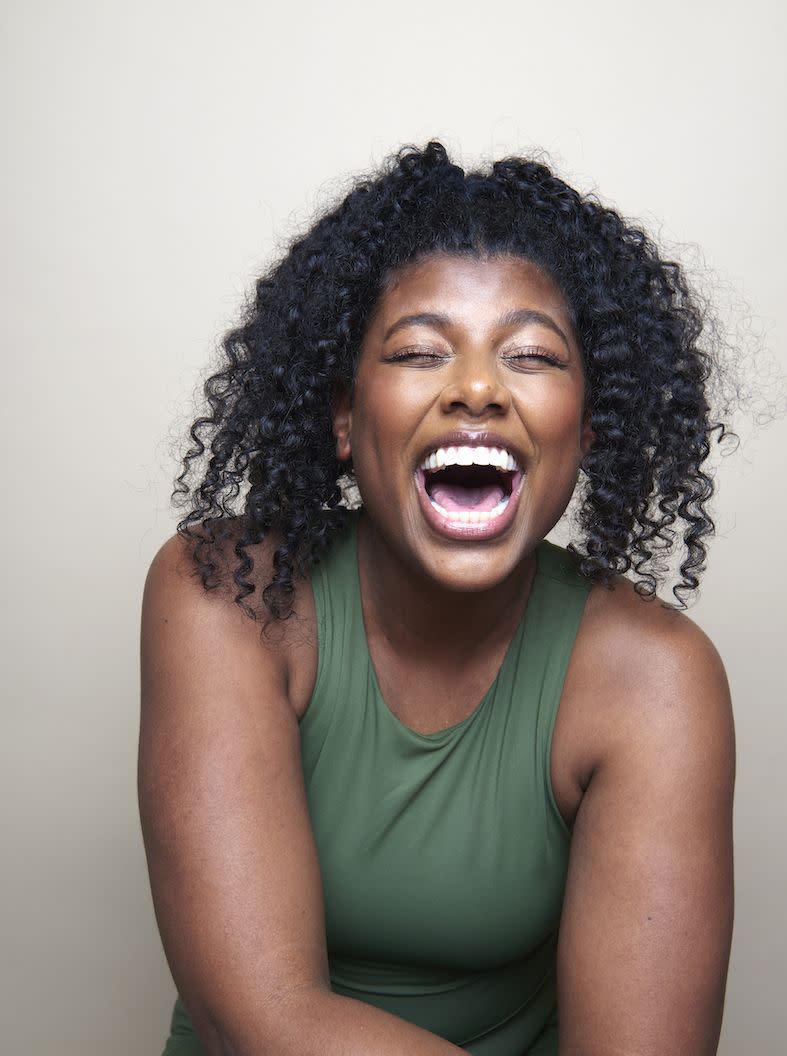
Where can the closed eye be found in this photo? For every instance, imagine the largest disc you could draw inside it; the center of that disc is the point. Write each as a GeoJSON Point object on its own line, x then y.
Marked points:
{"type": "Point", "coordinates": [532, 357]}
{"type": "Point", "coordinates": [416, 356]}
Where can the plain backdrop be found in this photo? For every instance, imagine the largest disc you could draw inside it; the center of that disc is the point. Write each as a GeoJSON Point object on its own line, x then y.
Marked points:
{"type": "Point", "coordinates": [155, 156]}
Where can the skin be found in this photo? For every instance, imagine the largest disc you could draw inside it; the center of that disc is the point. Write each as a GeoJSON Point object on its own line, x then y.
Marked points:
{"type": "Point", "coordinates": [642, 754]}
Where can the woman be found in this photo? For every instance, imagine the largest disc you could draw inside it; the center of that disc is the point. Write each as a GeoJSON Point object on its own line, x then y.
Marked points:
{"type": "Point", "coordinates": [466, 791]}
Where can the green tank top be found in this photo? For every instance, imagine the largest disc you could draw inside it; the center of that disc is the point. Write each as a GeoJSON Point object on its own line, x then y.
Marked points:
{"type": "Point", "coordinates": [443, 855]}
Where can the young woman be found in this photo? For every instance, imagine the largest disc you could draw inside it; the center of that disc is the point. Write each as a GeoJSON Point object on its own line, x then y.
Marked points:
{"type": "Point", "coordinates": [412, 779]}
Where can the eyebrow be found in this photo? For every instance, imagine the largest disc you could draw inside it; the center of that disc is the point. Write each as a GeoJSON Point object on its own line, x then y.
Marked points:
{"type": "Point", "coordinates": [523, 316]}
{"type": "Point", "coordinates": [440, 322]}
{"type": "Point", "coordinates": [518, 317]}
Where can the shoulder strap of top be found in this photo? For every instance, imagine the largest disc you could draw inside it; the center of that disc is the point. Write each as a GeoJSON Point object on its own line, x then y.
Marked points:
{"type": "Point", "coordinates": [341, 638]}
{"type": "Point", "coordinates": [552, 619]}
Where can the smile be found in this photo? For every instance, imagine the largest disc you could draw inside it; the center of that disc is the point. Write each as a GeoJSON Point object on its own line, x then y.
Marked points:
{"type": "Point", "coordinates": [469, 491]}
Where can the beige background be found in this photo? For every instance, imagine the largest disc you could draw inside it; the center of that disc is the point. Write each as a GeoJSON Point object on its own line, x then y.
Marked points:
{"type": "Point", "coordinates": [155, 153]}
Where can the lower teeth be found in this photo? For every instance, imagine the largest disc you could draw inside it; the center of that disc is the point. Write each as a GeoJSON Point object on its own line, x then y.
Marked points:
{"type": "Point", "coordinates": [471, 516]}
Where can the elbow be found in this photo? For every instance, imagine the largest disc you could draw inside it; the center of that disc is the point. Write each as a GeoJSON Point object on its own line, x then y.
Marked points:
{"type": "Point", "coordinates": [286, 1027]}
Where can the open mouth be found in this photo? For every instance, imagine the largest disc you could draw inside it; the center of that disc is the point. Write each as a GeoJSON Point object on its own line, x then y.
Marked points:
{"type": "Point", "coordinates": [469, 485]}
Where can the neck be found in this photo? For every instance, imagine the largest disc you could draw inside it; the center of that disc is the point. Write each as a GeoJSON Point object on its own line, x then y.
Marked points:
{"type": "Point", "coordinates": [416, 615]}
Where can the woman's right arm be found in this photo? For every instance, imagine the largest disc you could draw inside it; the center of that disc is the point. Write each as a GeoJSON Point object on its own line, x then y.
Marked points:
{"type": "Point", "coordinates": [233, 866]}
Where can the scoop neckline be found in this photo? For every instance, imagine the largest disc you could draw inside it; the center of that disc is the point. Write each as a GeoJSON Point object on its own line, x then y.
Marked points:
{"type": "Point", "coordinates": [519, 636]}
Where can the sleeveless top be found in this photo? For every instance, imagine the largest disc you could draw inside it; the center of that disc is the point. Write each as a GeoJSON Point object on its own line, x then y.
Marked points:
{"type": "Point", "coordinates": [443, 855]}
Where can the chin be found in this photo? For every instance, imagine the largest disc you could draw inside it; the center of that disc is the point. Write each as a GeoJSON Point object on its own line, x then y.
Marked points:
{"type": "Point", "coordinates": [475, 570]}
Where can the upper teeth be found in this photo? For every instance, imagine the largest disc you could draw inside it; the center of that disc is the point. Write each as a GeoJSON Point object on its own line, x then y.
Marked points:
{"type": "Point", "coordinates": [469, 456]}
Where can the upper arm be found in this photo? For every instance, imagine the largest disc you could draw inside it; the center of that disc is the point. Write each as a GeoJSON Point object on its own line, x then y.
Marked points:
{"type": "Point", "coordinates": [647, 918]}
{"type": "Point", "coordinates": [233, 867]}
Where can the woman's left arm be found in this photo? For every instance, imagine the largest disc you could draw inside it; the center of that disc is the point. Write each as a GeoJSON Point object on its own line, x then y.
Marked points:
{"type": "Point", "coordinates": [647, 920]}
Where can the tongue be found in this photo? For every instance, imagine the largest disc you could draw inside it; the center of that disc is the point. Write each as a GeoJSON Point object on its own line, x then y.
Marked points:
{"type": "Point", "coordinates": [455, 497]}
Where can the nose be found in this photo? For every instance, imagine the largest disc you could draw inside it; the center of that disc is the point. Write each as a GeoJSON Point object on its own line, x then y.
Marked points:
{"type": "Point", "coordinates": [475, 388]}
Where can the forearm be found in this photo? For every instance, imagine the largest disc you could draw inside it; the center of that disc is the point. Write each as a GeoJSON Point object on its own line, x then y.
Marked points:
{"type": "Point", "coordinates": [317, 1022]}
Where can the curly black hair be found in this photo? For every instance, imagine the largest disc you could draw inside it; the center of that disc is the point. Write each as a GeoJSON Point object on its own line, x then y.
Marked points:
{"type": "Point", "coordinates": [266, 444]}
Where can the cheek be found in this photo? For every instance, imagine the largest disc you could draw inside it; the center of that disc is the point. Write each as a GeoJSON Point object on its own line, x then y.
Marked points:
{"type": "Point", "coordinates": [555, 416]}
{"type": "Point", "coordinates": [387, 408]}
{"type": "Point", "coordinates": [375, 433]}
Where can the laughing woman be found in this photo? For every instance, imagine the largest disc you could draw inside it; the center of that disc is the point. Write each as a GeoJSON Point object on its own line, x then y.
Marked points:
{"type": "Point", "coordinates": [413, 780]}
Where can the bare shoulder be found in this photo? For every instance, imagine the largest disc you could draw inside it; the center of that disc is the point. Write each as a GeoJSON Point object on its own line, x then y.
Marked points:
{"type": "Point", "coordinates": [643, 647]}
{"type": "Point", "coordinates": [644, 682]}
{"type": "Point", "coordinates": [205, 623]}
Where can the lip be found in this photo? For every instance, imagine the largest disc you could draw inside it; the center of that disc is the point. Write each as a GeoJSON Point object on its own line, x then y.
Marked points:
{"type": "Point", "coordinates": [473, 438]}
{"type": "Point", "coordinates": [451, 529]}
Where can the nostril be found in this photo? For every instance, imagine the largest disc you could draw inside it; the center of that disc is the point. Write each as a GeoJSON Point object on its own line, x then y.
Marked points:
{"type": "Point", "coordinates": [476, 395]}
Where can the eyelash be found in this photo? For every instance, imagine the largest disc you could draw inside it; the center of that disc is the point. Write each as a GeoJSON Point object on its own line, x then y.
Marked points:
{"type": "Point", "coordinates": [535, 352]}
{"type": "Point", "coordinates": [405, 354]}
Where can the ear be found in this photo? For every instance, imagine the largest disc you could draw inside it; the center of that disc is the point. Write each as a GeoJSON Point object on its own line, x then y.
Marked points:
{"type": "Point", "coordinates": [586, 435]}
{"type": "Point", "coordinates": [341, 409]}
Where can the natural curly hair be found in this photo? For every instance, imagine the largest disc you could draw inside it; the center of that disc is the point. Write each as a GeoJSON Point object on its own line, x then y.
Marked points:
{"type": "Point", "coordinates": [266, 444]}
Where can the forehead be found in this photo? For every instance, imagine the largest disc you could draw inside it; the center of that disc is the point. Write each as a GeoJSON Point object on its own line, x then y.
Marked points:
{"type": "Point", "coordinates": [469, 288]}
